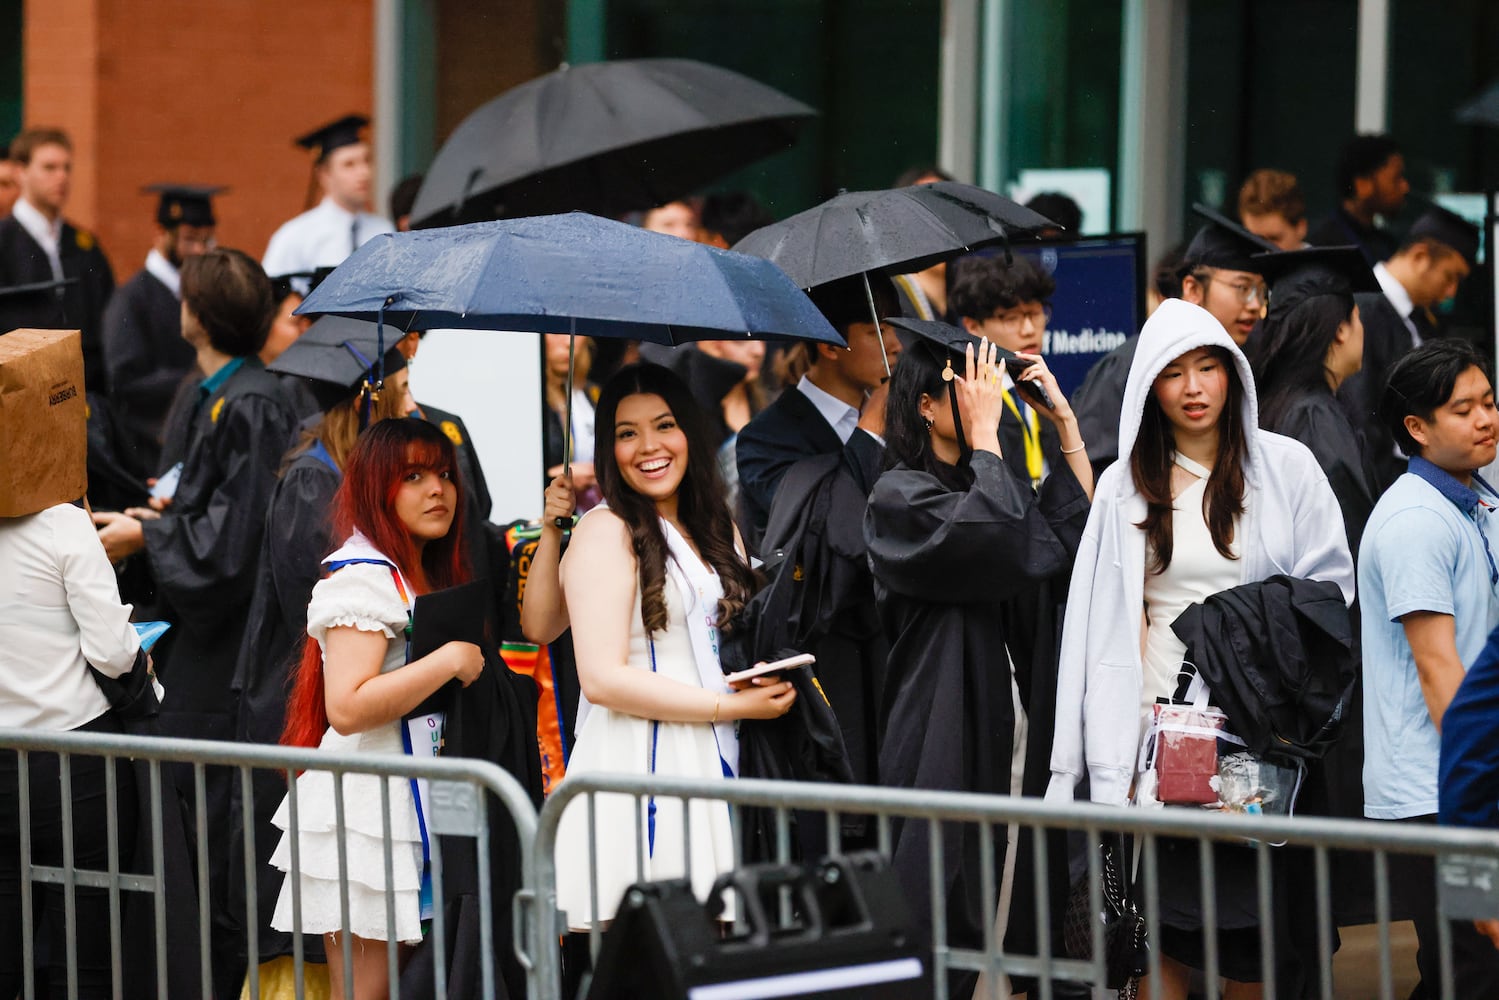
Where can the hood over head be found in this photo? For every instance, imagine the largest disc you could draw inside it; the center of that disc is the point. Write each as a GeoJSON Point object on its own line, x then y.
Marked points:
{"type": "Point", "coordinates": [1175, 328]}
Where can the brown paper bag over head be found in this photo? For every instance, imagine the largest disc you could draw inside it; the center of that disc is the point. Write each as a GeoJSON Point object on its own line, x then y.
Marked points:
{"type": "Point", "coordinates": [43, 421]}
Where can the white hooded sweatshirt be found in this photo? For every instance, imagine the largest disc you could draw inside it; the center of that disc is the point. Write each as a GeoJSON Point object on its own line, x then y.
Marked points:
{"type": "Point", "coordinates": [1291, 525]}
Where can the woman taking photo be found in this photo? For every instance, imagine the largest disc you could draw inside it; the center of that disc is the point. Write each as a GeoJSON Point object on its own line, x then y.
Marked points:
{"type": "Point", "coordinates": [955, 538]}
{"type": "Point", "coordinates": [1201, 501]}
{"type": "Point", "coordinates": [1311, 342]}
{"type": "Point", "coordinates": [649, 578]}
{"type": "Point", "coordinates": [399, 513]}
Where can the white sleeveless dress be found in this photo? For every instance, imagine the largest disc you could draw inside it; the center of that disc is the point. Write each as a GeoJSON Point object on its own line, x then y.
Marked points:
{"type": "Point", "coordinates": [613, 742]}
{"type": "Point", "coordinates": [362, 596]}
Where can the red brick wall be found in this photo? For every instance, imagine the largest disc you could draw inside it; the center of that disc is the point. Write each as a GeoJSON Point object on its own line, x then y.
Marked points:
{"type": "Point", "coordinates": [196, 91]}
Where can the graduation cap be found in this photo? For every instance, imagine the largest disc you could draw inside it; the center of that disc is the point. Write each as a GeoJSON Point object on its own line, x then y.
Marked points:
{"type": "Point", "coordinates": [335, 135]}
{"type": "Point", "coordinates": [1297, 275]}
{"type": "Point", "coordinates": [338, 356]}
{"type": "Point", "coordinates": [1223, 243]}
{"type": "Point", "coordinates": [32, 306]}
{"type": "Point", "coordinates": [298, 282]}
{"type": "Point", "coordinates": [948, 346]}
{"type": "Point", "coordinates": [1449, 229]}
{"type": "Point", "coordinates": [184, 204]}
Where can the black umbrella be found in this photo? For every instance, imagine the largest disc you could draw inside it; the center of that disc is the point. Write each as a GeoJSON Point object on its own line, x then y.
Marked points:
{"type": "Point", "coordinates": [891, 232]}
{"type": "Point", "coordinates": [605, 138]}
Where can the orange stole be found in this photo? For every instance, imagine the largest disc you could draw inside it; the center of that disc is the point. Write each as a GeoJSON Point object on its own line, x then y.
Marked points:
{"type": "Point", "coordinates": [533, 661]}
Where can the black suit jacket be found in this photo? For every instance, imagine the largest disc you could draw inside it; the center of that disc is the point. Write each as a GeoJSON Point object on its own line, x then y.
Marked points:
{"type": "Point", "coordinates": [80, 304]}
{"type": "Point", "coordinates": [782, 434]}
{"type": "Point", "coordinates": [1386, 340]}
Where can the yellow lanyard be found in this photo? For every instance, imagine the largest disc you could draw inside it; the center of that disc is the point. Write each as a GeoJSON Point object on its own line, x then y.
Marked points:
{"type": "Point", "coordinates": [1030, 431]}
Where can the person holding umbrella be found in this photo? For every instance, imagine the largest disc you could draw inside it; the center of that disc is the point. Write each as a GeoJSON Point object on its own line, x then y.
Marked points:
{"type": "Point", "coordinates": [650, 580]}
{"type": "Point", "coordinates": [838, 405]}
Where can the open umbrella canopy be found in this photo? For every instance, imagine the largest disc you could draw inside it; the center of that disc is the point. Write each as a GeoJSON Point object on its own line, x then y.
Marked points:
{"type": "Point", "coordinates": [892, 232]}
{"type": "Point", "coordinates": [573, 273]}
{"type": "Point", "coordinates": [606, 138]}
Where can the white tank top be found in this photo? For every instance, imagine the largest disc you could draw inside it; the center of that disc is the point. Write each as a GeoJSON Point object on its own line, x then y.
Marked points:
{"type": "Point", "coordinates": [1198, 570]}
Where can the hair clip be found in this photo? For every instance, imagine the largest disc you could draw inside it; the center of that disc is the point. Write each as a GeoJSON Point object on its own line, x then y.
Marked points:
{"type": "Point", "coordinates": [947, 373]}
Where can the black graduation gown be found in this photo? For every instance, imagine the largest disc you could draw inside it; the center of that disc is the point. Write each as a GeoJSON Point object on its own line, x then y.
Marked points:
{"type": "Point", "coordinates": [24, 262]}
{"type": "Point", "coordinates": [202, 554]}
{"type": "Point", "coordinates": [834, 618]}
{"type": "Point", "coordinates": [1097, 403]}
{"type": "Point", "coordinates": [297, 538]}
{"type": "Point", "coordinates": [1012, 442]}
{"type": "Point", "coordinates": [178, 425]}
{"type": "Point", "coordinates": [947, 566]}
{"type": "Point", "coordinates": [145, 360]}
{"type": "Point", "coordinates": [1386, 340]}
{"type": "Point", "coordinates": [203, 550]}
{"type": "Point", "coordinates": [1317, 421]}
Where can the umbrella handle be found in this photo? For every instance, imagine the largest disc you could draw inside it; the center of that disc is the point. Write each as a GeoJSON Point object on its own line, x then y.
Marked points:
{"type": "Point", "coordinates": [567, 421]}
{"type": "Point", "coordinates": [878, 328]}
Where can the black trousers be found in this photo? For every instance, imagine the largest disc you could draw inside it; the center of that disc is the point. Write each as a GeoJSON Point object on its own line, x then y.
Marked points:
{"type": "Point", "coordinates": [1413, 894]}
{"type": "Point", "coordinates": [90, 852]}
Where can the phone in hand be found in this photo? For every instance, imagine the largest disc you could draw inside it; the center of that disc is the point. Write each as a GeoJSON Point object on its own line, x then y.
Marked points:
{"type": "Point", "coordinates": [1034, 392]}
{"type": "Point", "coordinates": [789, 663]}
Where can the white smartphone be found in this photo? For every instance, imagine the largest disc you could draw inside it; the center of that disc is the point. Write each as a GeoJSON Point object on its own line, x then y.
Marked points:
{"type": "Point", "coordinates": [789, 663]}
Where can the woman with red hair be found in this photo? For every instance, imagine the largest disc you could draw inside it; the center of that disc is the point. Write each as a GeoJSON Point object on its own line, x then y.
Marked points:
{"type": "Point", "coordinates": [399, 512]}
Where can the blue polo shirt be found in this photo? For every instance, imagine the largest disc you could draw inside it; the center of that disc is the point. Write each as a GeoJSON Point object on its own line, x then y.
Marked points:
{"type": "Point", "coordinates": [1426, 548]}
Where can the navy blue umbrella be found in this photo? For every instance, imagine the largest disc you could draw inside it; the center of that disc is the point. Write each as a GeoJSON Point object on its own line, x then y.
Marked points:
{"type": "Point", "coordinates": [573, 273]}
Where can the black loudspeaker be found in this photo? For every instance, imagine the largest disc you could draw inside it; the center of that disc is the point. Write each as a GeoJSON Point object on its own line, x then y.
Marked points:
{"type": "Point", "coordinates": [837, 928]}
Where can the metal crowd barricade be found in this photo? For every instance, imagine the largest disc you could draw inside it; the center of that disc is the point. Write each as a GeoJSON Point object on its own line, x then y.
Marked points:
{"type": "Point", "coordinates": [457, 808]}
{"type": "Point", "coordinates": [1467, 867]}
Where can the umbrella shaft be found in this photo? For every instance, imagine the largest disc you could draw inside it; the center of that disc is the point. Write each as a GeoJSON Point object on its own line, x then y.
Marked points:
{"type": "Point", "coordinates": [878, 328]}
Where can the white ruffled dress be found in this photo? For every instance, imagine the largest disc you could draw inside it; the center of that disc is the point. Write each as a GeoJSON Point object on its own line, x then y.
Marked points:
{"type": "Point", "coordinates": [363, 596]}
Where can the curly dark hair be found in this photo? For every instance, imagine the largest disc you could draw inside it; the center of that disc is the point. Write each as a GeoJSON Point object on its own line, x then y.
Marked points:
{"type": "Point", "coordinates": [701, 504]}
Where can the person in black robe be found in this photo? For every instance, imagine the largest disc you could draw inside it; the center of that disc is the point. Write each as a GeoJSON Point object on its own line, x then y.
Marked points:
{"type": "Point", "coordinates": [46, 156]}
{"type": "Point", "coordinates": [1439, 252]}
{"type": "Point", "coordinates": [1313, 342]}
{"type": "Point", "coordinates": [836, 406]}
{"type": "Point", "coordinates": [202, 547]}
{"type": "Point", "coordinates": [816, 422]}
{"type": "Point", "coordinates": [297, 537]}
{"type": "Point", "coordinates": [954, 537]}
{"type": "Point", "coordinates": [145, 357]}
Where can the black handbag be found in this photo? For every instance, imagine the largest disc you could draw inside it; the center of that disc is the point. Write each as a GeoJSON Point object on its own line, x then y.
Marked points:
{"type": "Point", "coordinates": [1126, 948]}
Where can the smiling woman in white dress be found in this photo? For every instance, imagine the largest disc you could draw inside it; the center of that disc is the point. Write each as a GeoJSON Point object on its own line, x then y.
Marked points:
{"type": "Point", "coordinates": [648, 579]}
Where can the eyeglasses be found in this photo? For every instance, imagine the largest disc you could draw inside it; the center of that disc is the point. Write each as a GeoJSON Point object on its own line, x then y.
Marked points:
{"type": "Point", "coordinates": [1249, 292]}
{"type": "Point", "coordinates": [1015, 318]}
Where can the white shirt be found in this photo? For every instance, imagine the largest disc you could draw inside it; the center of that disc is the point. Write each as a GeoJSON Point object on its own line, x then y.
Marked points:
{"type": "Point", "coordinates": [582, 427]}
{"type": "Point", "coordinates": [844, 419]}
{"type": "Point", "coordinates": [1399, 298]}
{"type": "Point", "coordinates": [323, 236]}
{"type": "Point", "coordinates": [47, 233]}
{"type": "Point", "coordinates": [60, 611]}
{"type": "Point", "coordinates": [162, 270]}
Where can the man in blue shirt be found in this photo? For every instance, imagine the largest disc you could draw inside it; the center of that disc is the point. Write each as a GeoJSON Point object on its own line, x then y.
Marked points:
{"type": "Point", "coordinates": [1429, 586]}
